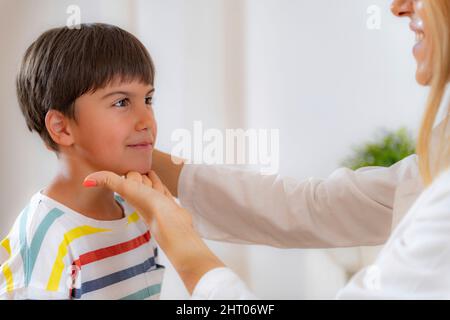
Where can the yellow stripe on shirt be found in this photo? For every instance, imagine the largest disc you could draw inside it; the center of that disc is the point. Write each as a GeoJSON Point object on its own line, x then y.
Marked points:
{"type": "Point", "coordinates": [9, 277]}
{"type": "Point", "coordinates": [132, 218]}
{"type": "Point", "coordinates": [58, 266]}
{"type": "Point", "coordinates": [5, 244]}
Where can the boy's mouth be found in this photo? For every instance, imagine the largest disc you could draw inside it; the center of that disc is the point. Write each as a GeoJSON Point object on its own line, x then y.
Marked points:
{"type": "Point", "coordinates": [142, 145]}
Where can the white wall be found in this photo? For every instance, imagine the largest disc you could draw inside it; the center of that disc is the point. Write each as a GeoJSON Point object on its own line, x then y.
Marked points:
{"type": "Point", "coordinates": [309, 68]}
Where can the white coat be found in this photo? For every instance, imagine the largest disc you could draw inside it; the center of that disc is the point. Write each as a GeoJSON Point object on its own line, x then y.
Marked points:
{"type": "Point", "coordinates": [369, 206]}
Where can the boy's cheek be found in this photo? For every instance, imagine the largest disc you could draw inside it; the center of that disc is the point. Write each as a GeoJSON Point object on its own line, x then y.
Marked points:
{"type": "Point", "coordinates": [155, 135]}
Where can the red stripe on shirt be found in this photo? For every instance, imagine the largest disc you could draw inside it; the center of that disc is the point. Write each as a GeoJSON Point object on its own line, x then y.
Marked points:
{"type": "Point", "coordinates": [114, 250]}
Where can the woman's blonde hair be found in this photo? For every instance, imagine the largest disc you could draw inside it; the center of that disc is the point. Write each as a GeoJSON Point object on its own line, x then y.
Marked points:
{"type": "Point", "coordinates": [438, 19]}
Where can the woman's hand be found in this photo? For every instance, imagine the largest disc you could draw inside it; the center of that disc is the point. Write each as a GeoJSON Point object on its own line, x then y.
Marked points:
{"type": "Point", "coordinates": [148, 195]}
{"type": "Point", "coordinates": [170, 224]}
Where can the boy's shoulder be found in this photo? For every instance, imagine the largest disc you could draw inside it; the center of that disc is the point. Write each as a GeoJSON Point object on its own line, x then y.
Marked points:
{"type": "Point", "coordinates": [33, 214]}
{"type": "Point", "coordinates": [46, 218]}
{"type": "Point", "coordinates": [43, 213]}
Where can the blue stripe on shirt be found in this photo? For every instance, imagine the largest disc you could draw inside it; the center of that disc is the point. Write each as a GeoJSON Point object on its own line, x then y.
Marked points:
{"type": "Point", "coordinates": [113, 278]}
{"type": "Point", "coordinates": [38, 238]}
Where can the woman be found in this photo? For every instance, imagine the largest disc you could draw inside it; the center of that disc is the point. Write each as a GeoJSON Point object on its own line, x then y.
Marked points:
{"type": "Point", "coordinates": [350, 208]}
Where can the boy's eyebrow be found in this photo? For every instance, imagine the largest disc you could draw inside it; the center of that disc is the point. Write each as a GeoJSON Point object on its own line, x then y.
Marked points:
{"type": "Point", "coordinates": [124, 93]}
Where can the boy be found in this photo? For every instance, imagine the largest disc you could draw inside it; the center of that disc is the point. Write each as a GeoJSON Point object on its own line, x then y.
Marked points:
{"type": "Point", "coordinates": [88, 93]}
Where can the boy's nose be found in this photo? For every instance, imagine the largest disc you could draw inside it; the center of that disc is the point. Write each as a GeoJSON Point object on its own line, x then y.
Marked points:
{"type": "Point", "coordinates": [402, 8]}
{"type": "Point", "coordinates": [146, 119]}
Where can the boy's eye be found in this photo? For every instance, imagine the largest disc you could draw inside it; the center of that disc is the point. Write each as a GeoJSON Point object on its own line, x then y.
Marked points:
{"type": "Point", "coordinates": [122, 103]}
{"type": "Point", "coordinates": [149, 100]}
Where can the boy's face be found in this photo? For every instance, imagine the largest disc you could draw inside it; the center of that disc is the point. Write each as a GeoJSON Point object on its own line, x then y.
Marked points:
{"type": "Point", "coordinates": [116, 128]}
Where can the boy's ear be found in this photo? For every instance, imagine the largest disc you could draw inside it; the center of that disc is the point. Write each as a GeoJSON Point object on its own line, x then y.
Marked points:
{"type": "Point", "coordinates": [58, 127]}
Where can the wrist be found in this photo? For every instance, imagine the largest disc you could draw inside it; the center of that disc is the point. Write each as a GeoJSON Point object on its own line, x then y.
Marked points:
{"type": "Point", "coordinates": [192, 259]}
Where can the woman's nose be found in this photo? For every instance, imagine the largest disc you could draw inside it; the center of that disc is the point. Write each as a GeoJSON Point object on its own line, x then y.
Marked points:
{"type": "Point", "coordinates": [402, 8]}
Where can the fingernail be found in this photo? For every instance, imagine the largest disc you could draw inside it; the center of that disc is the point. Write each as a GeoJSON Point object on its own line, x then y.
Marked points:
{"type": "Point", "coordinates": [89, 183]}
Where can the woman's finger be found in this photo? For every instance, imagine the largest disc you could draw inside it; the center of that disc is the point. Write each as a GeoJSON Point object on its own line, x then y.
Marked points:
{"type": "Point", "coordinates": [106, 179]}
{"type": "Point", "coordinates": [146, 180]}
{"type": "Point", "coordinates": [135, 176]}
{"type": "Point", "coordinates": [157, 183]}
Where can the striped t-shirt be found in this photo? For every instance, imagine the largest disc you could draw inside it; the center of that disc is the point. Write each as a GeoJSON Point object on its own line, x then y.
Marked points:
{"type": "Point", "coordinates": [54, 252]}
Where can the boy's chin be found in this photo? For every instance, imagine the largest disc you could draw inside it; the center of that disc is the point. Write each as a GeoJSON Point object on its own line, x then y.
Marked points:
{"type": "Point", "coordinates": [142, 169]}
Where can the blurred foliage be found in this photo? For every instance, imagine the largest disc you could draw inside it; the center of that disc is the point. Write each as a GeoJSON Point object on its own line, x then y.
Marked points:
{"type": "Point", "coordinates": [387, 149]}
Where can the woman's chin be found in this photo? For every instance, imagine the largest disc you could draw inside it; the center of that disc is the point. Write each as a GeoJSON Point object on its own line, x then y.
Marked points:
{"type": "Point", "coordinates": [423, 78]}
{"type": "Point", "coordinates": [423, 73]}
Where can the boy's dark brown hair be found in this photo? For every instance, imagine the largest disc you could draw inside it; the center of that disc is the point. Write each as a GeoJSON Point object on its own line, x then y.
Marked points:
{"type": "Point", "coordinates": [65, 63]}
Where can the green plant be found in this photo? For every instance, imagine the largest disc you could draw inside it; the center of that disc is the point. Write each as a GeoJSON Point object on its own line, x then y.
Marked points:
{"type": "Point", "coordinates": [387, 149]}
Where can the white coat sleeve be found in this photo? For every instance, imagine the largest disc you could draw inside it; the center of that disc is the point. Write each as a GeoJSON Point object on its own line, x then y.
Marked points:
{"type": "Point", "coordinates": [415, 262]}
{"type": "Point", "coordinates": [221, 284]}
{"type": "Point", "coordinates": [349, 208]}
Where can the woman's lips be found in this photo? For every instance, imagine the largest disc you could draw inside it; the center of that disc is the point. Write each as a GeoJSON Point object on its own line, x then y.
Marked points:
{"type": "Point", "coordinates": [417, 49]}
{"type": "Point", "coordinates": [420, 36]}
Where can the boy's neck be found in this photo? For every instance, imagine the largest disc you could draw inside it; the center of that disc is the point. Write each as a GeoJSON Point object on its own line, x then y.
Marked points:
{"type": "Point", "coordinates": [67, 188]}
